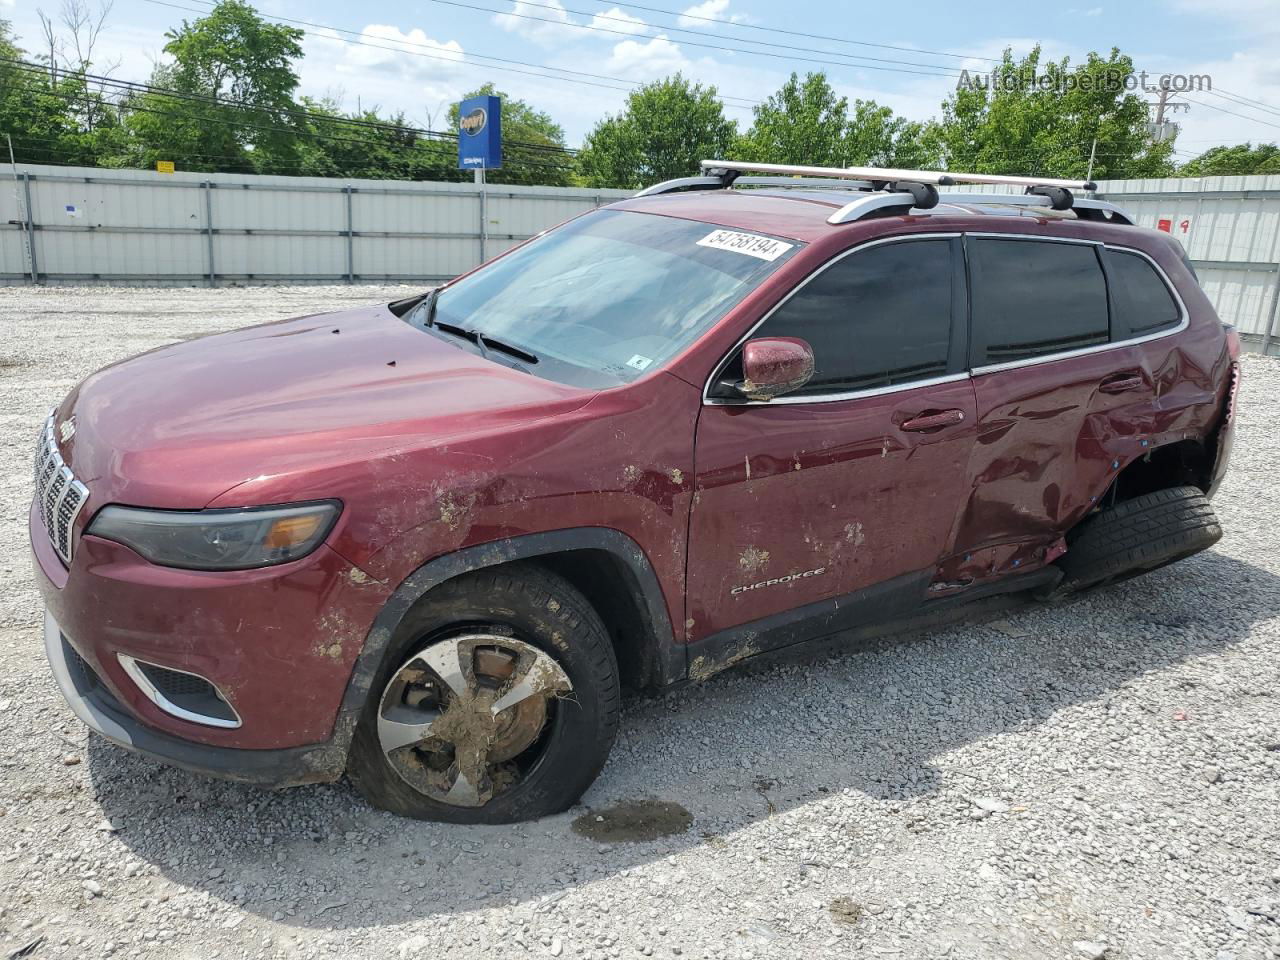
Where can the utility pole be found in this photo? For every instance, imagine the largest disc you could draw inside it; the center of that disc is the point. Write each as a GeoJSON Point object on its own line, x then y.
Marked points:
{"type": "Point", "coordinates": [1160, 129]}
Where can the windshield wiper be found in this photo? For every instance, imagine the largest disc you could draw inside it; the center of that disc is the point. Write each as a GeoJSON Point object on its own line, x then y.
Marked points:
{"type": "Point", "coordinates": [485, 342]}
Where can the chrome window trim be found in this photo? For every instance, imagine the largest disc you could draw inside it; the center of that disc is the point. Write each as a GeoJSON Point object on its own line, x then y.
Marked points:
{"type": "Point", "coordinates": [1183, 322]}
{"type": "Point", "coordinates": [1184, 316]}
{"type": "Point", "coordinates": [132, 666]}
{"type": "Point", "coordinates": [709, 401]}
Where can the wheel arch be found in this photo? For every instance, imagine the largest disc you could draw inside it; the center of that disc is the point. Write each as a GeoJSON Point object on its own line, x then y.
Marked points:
{"type": "Point", "coordinates": [606, 565]}
{"type": "Point", "coordinates": [1187, 462]}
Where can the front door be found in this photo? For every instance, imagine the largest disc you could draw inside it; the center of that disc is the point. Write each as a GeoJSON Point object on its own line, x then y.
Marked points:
{"type": "Point", "coordinates": [849, 487]}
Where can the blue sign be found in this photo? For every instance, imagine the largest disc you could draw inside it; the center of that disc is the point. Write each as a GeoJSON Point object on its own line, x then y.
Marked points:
{"type": "Point", "coordinates": [480, 134]}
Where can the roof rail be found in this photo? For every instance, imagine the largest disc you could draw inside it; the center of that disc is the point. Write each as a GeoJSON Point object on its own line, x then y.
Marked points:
{"type": "Point", "coordinates": [717, 183]}
{"type": "Point", "coordinates": [887, 187]}
{"type": "Point", "coordinates": [1085, 208]}
{"type": "Point", "coordinates": [940, 178]}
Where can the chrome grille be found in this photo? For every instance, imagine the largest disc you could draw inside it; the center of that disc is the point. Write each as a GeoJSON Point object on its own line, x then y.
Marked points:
{"type": "Point", "coordinates": [59, 494]}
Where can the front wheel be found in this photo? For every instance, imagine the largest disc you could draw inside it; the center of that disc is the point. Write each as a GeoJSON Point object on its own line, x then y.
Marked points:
{"type": "Point", "coordinates": [498, 702]}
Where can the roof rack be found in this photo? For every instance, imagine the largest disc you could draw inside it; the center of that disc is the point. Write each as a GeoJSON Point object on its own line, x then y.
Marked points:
{"type": "Point", "coordinates": [887, 187]}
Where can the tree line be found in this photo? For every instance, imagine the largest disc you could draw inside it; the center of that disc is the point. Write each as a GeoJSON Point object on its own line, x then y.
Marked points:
{"type": "Point", "coordinates": [227, 100]}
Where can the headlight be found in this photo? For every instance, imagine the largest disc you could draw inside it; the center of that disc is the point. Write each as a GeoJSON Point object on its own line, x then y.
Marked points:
{"type": "Point", "coordinates": [219, 539]}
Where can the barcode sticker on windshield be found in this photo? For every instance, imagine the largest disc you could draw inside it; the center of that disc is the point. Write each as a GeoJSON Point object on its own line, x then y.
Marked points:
{"type": "Point", "coordinates": [762, 248]}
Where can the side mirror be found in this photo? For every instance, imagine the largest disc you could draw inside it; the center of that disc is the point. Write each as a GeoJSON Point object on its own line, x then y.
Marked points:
{"type": "Point", "coordinates": [772, 366]}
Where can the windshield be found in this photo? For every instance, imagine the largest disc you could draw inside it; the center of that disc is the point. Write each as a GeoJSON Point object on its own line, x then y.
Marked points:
{"type": "Point", "coordinates": [609, 296]}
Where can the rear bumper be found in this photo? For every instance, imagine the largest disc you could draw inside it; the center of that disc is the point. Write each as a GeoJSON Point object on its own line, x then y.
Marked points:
{"type": "Point", "coordinates": [98, 709]}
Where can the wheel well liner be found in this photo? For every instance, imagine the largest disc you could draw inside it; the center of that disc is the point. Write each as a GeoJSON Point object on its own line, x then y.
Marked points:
{"type": "Point", "coordinates": [1177, 464]}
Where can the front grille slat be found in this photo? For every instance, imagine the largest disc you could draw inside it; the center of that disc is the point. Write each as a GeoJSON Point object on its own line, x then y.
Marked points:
{"type": "Point", "coordinates": [59, 495]}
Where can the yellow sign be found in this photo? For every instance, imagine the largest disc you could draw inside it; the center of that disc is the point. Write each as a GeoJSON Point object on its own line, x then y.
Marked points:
{"type": "Point", "coordinates": [164, 166]}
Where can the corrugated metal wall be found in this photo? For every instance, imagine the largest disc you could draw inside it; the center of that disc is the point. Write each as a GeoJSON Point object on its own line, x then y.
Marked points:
{"type": "Point", "coordinates": [1231, 229]}
{"type": "Point", "coordinates": [144, 227]}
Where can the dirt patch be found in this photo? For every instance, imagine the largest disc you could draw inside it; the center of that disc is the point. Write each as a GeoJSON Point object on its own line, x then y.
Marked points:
{"type": "Point", "coordinates": [753, 559]}
{"type": "Point", "coordinates": [845, 910]}
{"type": "Point", "coordinates": [634, 822]}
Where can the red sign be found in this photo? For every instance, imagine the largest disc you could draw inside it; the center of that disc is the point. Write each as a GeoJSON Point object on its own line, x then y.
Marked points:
{"type": "Point", "coordinates": [1165, 225]}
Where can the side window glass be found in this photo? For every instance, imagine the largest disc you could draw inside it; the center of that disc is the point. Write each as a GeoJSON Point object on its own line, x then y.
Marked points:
{"type": "Point", "coordinates": [1143, 302]}
{"type": "Point", "coordinates": [876, 318]}
{"type": "Point", "coordinates": [1032, 298]}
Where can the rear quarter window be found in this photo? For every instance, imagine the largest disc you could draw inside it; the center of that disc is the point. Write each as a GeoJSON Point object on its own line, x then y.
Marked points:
{"type": "Point", "coordinates": [1034, 298]}
{"type": "Point", "coordinates": [1143, 302]}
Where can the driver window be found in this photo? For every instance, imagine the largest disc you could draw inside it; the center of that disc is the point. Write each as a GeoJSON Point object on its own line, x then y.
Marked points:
{"type": "Point", "coordinates": [875, 318]}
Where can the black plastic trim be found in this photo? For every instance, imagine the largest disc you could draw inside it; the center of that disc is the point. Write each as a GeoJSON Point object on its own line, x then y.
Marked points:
{"type": "Point", "coordinates": [669, 658]}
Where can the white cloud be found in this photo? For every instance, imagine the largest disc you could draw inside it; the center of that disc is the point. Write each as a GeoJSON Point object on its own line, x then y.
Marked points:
{"type": "Point", "coordinates": [543, 23]}
{"type": "Point", "coordinates": [619, 20]}
{"type": "Point", "coordinates": [649, 60]}
{"type": "Point", "coordinates": [698, 14]}
{"type": "Point", "coordinates": [6, 3]}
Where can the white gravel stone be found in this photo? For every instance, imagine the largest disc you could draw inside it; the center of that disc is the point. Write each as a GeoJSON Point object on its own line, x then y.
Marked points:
{"type": "Point", "coordinates": [1115, 834]}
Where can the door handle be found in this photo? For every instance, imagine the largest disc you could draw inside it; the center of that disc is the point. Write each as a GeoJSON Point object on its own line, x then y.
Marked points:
{"type": "Point", "coordinates": [932, 421]}
{"type": "Point", "coordinates": [1121, 383]}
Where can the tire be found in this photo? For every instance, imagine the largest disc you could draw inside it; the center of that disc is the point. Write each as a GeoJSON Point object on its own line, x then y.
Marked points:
{"type": "Point", "coordinates": [1138, 536]}
{"type": "Point", "coordinates": [535, 609]}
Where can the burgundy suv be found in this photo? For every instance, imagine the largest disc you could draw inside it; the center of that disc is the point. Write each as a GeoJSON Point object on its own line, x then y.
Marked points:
{"type": "Point", "coordinates": [427, 543]}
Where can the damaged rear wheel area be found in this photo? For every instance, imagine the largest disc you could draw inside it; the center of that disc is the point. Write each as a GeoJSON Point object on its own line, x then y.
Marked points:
{"type": "Point", "coordinates": [498, 701]}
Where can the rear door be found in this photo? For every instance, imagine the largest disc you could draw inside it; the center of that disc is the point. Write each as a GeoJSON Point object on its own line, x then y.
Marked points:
{"type": "Point", "coordinates": [843, 486]}
{"type": "Point", "coordinates": [1049, 383]}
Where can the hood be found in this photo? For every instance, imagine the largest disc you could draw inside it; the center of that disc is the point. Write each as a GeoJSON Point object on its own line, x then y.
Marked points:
{"type": "Point", "coordinates": [180, 425]}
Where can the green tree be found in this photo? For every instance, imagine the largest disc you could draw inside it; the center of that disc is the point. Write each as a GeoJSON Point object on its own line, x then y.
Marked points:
{"type": "Point", "coordinates": [666, 128]}
{"type": "Point", "coordinates": [367, 145]}
{"type": "Point", "coordinates": [1042, 117]}
{"type": "Point", "coordinates": [876, 136]}
{"type": "Point", "coordinates": [804, 122]}
{"type": "Point", "coordinates": [246, 63]}
{"type": "Point", "coordinates": [1240, 160]}
{"type": "Point", "coordinates": [52, 113]}
{"type": "Point", "coordinates": [533, 145]}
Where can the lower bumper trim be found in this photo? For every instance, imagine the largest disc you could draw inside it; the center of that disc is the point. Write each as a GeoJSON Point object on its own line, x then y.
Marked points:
{"type": "Point", "coordinates": [102, 713]}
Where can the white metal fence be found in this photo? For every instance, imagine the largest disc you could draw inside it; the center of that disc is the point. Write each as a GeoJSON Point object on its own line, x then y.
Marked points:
{"type": "Point", "coordinates": [136, 226]}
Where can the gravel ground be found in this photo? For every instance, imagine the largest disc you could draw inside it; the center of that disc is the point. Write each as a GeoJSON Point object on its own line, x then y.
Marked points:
{"type": "Point", "coordinates": [1098, 779]}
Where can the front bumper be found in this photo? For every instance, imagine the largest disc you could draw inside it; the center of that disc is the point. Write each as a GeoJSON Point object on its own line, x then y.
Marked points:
{"type": "Point", "coordinates": [101, 712]}
{"type": "Point", "coordinates": [279, 643]}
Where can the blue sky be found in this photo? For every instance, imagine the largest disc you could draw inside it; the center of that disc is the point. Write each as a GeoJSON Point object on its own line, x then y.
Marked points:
{"type": "Point", "coordinates": [420, 55]}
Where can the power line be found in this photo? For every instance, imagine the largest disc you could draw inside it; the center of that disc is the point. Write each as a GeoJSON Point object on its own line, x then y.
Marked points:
{"type": "Point", "coordinates": [1213, 106]}
{"type": "Point", "coordinates": [702, 33]}
{"type": "Point", "coordinates": [292, 131]}
{"type": "Point", "coordinates": [401, 44]}
{"type": "Point", "coordinates": [137, 87]}
{"type": "Point", "coordinates": [1244, 102]}
{"type": "Point", "coordinates": [691, 43]}
{"type": "Point", "coordinates": [799, 33]}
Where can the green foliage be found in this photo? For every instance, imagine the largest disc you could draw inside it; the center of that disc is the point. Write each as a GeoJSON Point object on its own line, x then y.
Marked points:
{"type": "Point", "coordinates": [665, 130]}
{"type": "Point", "coordinates": [1016, 126]}
{"type": "Point", "coordinates": [1240, 160]}
{"type": "Point", "coordinates": [806, 123]}
{"type": "Point", "coordinates": [53, 116]}
{"type": "Point", "coordinates": [234, 81]}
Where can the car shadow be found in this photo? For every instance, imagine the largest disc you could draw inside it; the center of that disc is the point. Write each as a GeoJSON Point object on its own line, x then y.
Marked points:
{"type": "Point", "coordinates": [879, 721]}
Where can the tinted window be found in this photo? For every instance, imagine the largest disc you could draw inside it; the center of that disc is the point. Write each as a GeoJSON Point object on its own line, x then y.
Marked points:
{"type": "Point", "coordinates": [1032, 298]}
{"type": "Point", "coordinates": [1143, 302]}
{"type": "Point", "coordinates": [878, 317]}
